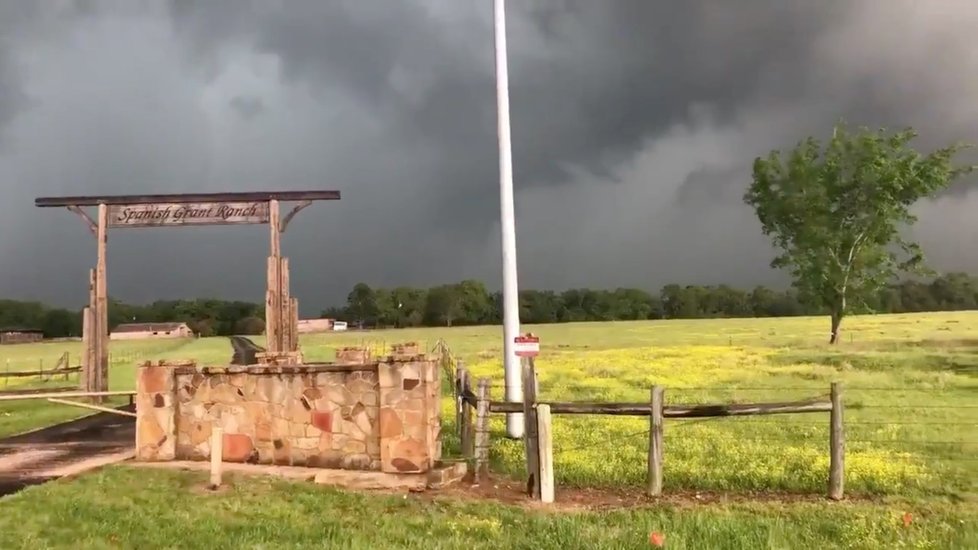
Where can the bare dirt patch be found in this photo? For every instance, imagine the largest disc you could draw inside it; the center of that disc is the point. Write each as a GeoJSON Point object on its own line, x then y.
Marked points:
{"type": "Point", "coordinates": [508, 491]}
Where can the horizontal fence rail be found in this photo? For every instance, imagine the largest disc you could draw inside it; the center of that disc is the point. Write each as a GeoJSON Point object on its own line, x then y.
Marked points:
{"type": "Point", "coordinates": [62, 394]}
{"type": "Point", "coordinates": [671, 411]}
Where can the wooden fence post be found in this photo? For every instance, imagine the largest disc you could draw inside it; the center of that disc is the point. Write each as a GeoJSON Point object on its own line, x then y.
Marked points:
{"type": "Point", "coordinates": [531, 443]}
{"type": "Point", "coordinates": [837, 443]}
{"type": "Point", "coordinates": [546, 460]}
{"type": "Point", "coordinates": [217, 455]}
{"type": "Point", "coordinates": [460, 374]}
{"type": "Point", "coordinates": [482, 433]}
{"type": "Point", "coordinates": [466, 429]}
{"type": "Point", "coordinates": [655, 442]}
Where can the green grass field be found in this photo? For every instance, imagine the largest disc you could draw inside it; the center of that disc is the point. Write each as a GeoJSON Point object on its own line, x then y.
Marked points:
{"type": "Point", "coordinates": [911, 383]}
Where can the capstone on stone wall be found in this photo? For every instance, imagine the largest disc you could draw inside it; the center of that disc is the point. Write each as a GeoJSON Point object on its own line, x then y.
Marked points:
{"type": "Point", "coordinates": [363, 413]}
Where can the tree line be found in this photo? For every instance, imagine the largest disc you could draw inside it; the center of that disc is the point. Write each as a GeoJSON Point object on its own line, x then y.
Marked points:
{"type": "Point", "coordinates": [470, 303]}
{"type": "Point", "coordinates": [206, 317]}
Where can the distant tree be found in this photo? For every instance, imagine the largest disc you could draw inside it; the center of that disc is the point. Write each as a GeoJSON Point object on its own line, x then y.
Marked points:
{"type": "Point", "coordinates": [574, 301]}
{"type": "Point", "coordinates": [732, 302]}
{"type": "Point", "coordinates": [249, 326]}
{"type": "Point", "coordinates": [21, 314]}
{"type": "Point", "coordinates": [538, 306]}
{"type": "Point", "coordinates": [203, 327]}
{"type": "Point", "coordinates": [443, 305]}
{"type": "Point", "coordinates": [474, 302]}
{"type": "Point", "coordinates": [409, 304]}
{"type": "Point", "coordinates": [59, 323]}
{"type": "Point", "coordinates": [361, 303]}
{"type": "Point", "coordinates": [954, 291]}
{"type": "Point", "coordinates": [836, 212]}
{"type": "Point", "coordinates": [761, 300]}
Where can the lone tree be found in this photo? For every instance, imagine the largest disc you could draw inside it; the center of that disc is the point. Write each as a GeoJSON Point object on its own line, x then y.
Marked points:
{"type": "Point", "coordinates": [836, 213]}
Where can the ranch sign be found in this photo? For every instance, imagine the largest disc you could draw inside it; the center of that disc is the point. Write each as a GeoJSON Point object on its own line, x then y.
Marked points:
{"type": "Point", "coordinates": [185, 214]}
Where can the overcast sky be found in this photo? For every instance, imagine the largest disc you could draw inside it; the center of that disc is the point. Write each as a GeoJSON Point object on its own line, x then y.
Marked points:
{"type": "Point", "coordinates": [634, 126]}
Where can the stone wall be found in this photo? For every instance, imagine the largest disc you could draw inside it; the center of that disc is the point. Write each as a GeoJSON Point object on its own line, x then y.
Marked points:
{"type": "Point", "coordinates": [362, 413]}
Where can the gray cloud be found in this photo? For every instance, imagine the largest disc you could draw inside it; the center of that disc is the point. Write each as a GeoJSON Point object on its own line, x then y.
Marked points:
{"type": "Point", "coordinates": [634, 125]}
{"type": "Point", "coordinates": [247, 107]}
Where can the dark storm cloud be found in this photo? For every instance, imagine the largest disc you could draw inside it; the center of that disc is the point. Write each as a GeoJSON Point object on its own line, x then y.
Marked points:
{"type": "Point", "coordinates": [11, 96]}
{"type": "Point", "coordinates": [634, 125]}
{"type": "Point", "coordinates": [248, 107]}
{"type": "Point", "coordinates": [589, 79]}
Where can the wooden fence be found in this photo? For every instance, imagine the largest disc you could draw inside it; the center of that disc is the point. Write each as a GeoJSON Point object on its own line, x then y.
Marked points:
{"type": "Point", "coordinates": [62, 367]}
{"type": "Point", "coordinates": [473, 407]}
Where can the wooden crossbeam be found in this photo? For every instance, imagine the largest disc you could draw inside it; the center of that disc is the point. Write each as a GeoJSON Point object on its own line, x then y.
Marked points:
{"type": "Point", "coordinates": [184, 198]}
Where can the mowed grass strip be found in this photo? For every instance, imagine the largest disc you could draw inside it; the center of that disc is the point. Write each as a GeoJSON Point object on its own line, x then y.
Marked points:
{"type": "Point", "coordinates": [124, 507]}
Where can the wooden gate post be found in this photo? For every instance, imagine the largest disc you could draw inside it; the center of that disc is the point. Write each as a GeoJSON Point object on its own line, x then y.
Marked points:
{"type": "Point", "coordinates": [85, 380]}
{"type": "Point", "coordinates": [837, 445]}
{"type": "Point", "coordinates": [531, 443]}
{"type": "Point", "coordinates": [103, 300]}
{"type": "Point", "coordinates": [545, 441]}
{"type": "Point", "coordinates": [273, 292]}
{"type": "Point", "coordinates": [460, 374]}
{"type": "Point", "coordinates": [655, 442]}
{"type": "Point", "coordinates": [482, 433]}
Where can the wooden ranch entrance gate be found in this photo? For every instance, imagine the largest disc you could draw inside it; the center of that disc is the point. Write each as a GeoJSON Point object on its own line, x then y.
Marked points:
{"type": "Point", "coordinates": [184, 210]}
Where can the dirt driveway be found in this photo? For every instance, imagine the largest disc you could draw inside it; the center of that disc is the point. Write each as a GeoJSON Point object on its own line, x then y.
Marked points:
{"type": "Point", "coordinates": [65, 449]}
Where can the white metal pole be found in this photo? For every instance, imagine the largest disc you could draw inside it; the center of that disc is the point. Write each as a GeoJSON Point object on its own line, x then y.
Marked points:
{"type": "Point", "coordinates": [507, 222]}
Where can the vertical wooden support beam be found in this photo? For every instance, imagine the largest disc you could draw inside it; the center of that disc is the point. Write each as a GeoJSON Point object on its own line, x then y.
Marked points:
{"type": "Point", "coordinates": [285, 305]}
{"type": "Point", "coordinates": [85, 380]}
{"type": "Point", "coordinates": [530, 427]}
{"type": "Point", "coordinates": [482, 433]}
{"type": "Point", "coordinates": [274, 228]}
{"type": "Point", "coordinates": [93, 343]}
{"type": "Point", "coordinates": [837, 443]}
{"type": "Point", "coordinates": [103, 300]}
{"type": "Point", "coordinates": [273, 309]}
{"type": "Point", "coordinates": [546, 460]}
{"type": "Point", "coordinates": [273, 293]}
{"type": "Point", "coordinates": [655, 442]}
{"type": "Point", "coordinates": [294, 324]}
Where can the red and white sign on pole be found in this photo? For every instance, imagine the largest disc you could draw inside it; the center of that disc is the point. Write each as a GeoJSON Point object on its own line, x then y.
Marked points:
{"type": "Point", "coordinates": [527, 345]}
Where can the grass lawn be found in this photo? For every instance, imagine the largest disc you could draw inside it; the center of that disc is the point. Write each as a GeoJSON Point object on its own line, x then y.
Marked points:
{"type": "Point", "coordinates": [911, 383]}
{"type": "Point", "coordinates": [124, 507]}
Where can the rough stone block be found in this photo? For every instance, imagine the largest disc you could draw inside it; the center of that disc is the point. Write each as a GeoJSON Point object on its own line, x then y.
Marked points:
{"type": "Point", "coordinates": [388, 376]}
{"type": "Point", "coordinates": [407, 348]}
{"type": "Point", "coordinates": [353, 356]}
{"type": "Point", "coordinates": [407, 455]}
{"type": "Point", "coordinates": [390, 423]}
{"type": "Point", "coordinates": [322, 420]}
{"type": "Point", "coordinates": [153, 379]}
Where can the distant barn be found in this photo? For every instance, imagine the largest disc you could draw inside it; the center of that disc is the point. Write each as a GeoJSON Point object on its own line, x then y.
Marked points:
{"type": "Point", "coordinates": [20, 335]}
{"type": "Point", "coordinates": [137, 331]}
{"type": "Point", "coordinates": [307, 326]}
